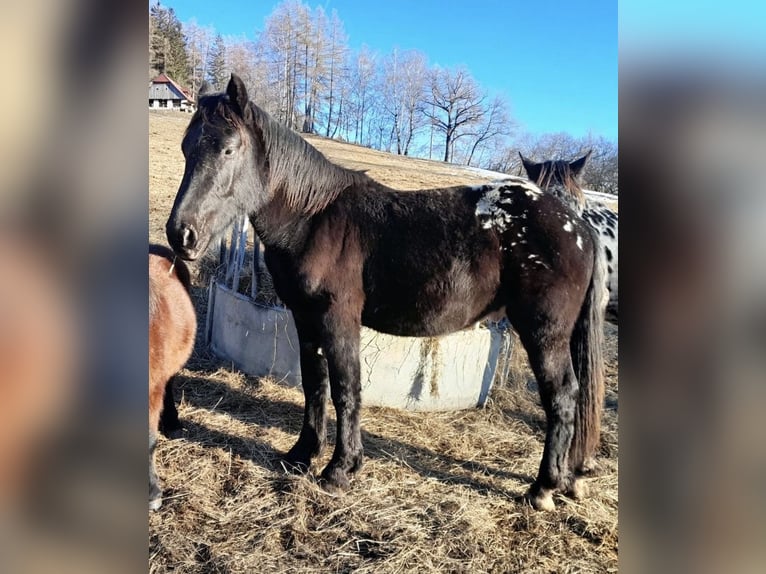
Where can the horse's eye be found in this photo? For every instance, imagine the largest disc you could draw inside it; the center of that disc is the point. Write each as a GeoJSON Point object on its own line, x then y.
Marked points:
{"type": "Point", "coordinates": [228, 151]}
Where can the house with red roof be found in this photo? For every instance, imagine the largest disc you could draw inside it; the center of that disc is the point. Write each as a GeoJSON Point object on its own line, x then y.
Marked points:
{"type": "Point", "coordinates": [165, 93]}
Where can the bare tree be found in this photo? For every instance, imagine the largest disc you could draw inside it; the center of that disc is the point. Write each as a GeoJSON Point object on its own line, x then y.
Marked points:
{"type": "Point", "coordinates": [337, 54]}
{"type": "Point", "coordinates": [280, 43]}
{"type": "Point", "coordinates": [402, 93]}
{"type": "Point", "coordinates": [341, 120]}
{"type": "Point", "coordinates": [600, 173]}
{"type": "Point", "coordinates": [361, 81]}
{"type": "Point", "coordinates": [199, 41]}
{"type": "Point", "coordinates": [304, 53]}
{"type": "Point", "coordinates": [491, 127]}
{"type": "Point", "coordinates": [311, 45]}
{"type": "Point", "coordinates": [242, 60]}
{"type": "Point", "coordinates": [378, 125]}
{"type": "Point", "coordinates": [454, 103]}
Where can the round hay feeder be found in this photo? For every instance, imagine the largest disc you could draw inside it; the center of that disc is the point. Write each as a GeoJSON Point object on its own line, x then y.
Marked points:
{"type": "Point", "coordinates": [247, 325]}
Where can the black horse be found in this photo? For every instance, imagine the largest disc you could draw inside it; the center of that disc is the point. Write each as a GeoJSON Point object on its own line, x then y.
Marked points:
{"type": "Point", "coordinates": [346, 251]}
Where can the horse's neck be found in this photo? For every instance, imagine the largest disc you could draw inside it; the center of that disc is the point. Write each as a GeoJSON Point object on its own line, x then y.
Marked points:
{"type": "Point", "coordinates": [278, 226]}
{"type": "Point", "coordinates": [573, 201]}
{"type": "Point", "coordinates": [284, 220]}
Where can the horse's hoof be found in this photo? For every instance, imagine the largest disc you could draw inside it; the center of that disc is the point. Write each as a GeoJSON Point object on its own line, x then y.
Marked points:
{"type": "Point", "coordinates": [578, 490]}
{"type": "Point", "coordinates": [356, 463]}
{"type": "Point", "coordinates": [297, 461]}
{"type": "Point", "coordinates": [334, 480]}
{"type": "Point", "coordinates": [175, 433]}
{"type": "Point", "coordinates": [331, 489]}
{"type": "Point", "coordinates": [292, 466]}
{"type": "Point", "coordinates": [541, 499]}
{"type": "Point", "coordinates": [588, 467]}
{"type": "Point", "coordinates": [171, 429]}
{"type": "Point", "coordinates": [155, 503]}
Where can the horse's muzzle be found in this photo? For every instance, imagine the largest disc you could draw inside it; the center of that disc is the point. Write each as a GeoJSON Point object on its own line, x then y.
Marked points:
{"type": "Point", "coordinates": [184, 239]}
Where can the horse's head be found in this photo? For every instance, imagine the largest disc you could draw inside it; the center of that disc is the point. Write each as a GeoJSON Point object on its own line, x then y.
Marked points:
{"type": "Point", "coordinates": [222, 180]}
{"type": "Point", "coordinates": [560, 177]}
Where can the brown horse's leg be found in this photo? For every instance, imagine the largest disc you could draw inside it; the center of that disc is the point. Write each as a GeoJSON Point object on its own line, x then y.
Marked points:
{"type": "Point", "coordinates": [170, 426]}
{"type": "Point", "coordinates": [341, 345]}
{"type": "Point", "coordinates": [552, 365]}
{"type": "Point", "coordinates": [314, 381]}
{"type": "Point", "coordinates": [156, 390]}
{"type": "Point", "coordinates": [155, 493]}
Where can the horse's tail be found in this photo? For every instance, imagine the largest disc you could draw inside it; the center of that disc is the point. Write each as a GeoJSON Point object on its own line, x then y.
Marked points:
{"type": "Point", "coordinates": [587, 357]}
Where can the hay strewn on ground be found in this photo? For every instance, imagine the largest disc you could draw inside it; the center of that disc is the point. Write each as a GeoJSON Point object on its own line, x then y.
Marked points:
{"type": "Point", "coordinates": [439, 492]}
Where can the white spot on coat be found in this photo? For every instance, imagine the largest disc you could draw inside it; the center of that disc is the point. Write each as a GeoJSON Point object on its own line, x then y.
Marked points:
{"type": "Point", "coordinates": [497, 197]}
{"type": "Point", "coordinates": [489, 211]}
{"type": "Point", "coordinates": [535, 195]}
{"type": "Point", "coordinates": [568, 226]}
{"type": "Point", "coordinates": [579, 242]}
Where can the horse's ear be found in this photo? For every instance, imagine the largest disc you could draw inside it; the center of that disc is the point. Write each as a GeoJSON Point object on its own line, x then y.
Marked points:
{"type": "Point", "coordinates": [532, 168]}
{"type": "Point", "coordinates": [237, 94]}
{"type": "Point", "coordinates": [205, 89]}
{"type": "Point", "coordinates": [577, 165]}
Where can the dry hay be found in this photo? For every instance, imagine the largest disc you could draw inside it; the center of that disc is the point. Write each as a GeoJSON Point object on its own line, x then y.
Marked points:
{"type": "Point", "coordinates": [439, 492]}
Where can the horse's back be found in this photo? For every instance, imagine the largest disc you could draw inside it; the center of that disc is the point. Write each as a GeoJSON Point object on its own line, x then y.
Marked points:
{"type": "Point", "coordinates": [429, 267]}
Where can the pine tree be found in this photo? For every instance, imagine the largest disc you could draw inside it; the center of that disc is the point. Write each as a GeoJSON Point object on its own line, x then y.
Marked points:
{"type": "Point", "coordinates": [167, 44]}
{"type": "Point", "coordinates": [216, 65]}
{"type": "Point", "coordinates": [156, 40]}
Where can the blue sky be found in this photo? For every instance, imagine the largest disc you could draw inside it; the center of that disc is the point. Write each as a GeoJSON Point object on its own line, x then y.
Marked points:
{"type": "Point", "coordinates": [555, 61]}
{"type": "Point", "coordinates": [693, 25]}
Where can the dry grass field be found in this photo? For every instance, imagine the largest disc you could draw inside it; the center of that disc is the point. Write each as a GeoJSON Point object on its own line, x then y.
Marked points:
{"type": "Point", "coordinates": [439, 492]}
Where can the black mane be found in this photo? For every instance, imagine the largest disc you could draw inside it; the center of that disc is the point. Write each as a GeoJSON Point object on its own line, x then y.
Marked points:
{"type": "Point", "coordinates": [307, 180]}
{"type": "Point", "coordinates": [556, 176]}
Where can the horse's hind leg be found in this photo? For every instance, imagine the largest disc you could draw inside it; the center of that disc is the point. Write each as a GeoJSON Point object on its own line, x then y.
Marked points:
{"type": "Point", "coordinates": [314, 381]}
{"type": "Point", "coordinates": [552, 364]}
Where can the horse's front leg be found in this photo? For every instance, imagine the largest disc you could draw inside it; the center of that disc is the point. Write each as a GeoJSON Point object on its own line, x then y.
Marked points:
{"type": "Point", "coordinates": [340, 343]}
{"type": "Point", "coordinates": [155, 492]}
{"type": "Point", "coordinates": [314, 380]}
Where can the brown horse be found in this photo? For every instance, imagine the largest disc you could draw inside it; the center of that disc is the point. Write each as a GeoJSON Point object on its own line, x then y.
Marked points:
{"type": "Point", "coordinates": [346, 251]}
{"type": "Point", "coordinates": [39, 350]}
{"type": "Point", "coordinates": [172, 327]}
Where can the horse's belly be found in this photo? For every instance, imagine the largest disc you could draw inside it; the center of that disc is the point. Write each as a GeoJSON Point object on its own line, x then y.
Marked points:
{"type": "Point", "coordinates": [405, 327]}
{"type": "Point", "coordinates": [425, 318]}
{"type": "Point", "coordinates": [410, 303]}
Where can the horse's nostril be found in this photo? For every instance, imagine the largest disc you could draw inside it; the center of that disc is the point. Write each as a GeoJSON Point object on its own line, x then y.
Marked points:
{"type": "Point", "coordinates": [188, 237]}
